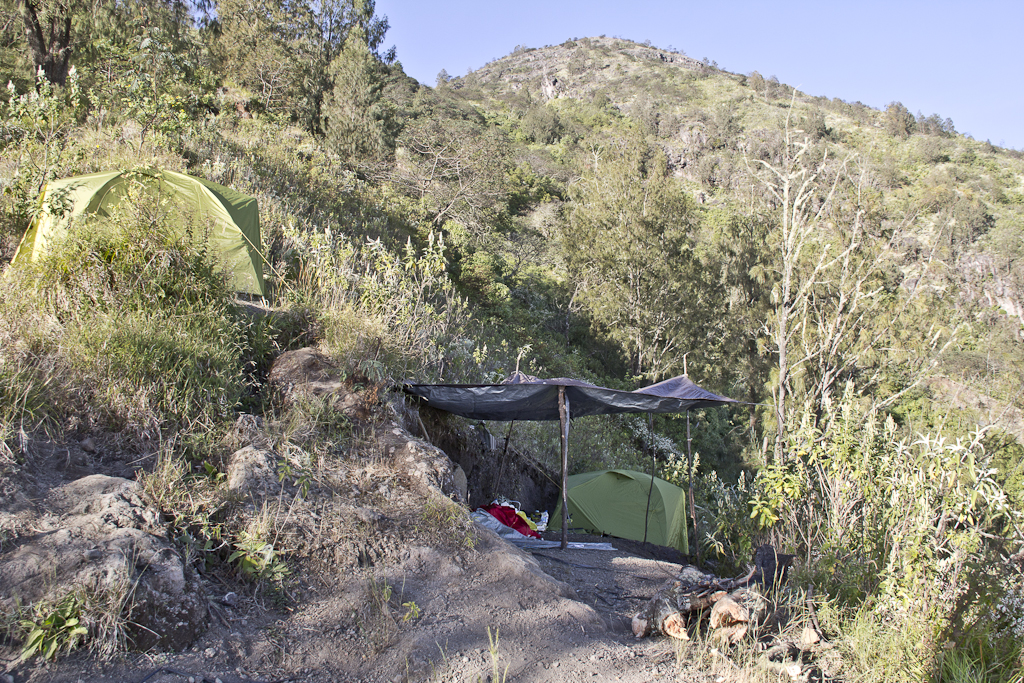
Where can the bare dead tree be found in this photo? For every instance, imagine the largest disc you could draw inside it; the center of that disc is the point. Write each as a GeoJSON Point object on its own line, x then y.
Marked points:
{"type": "Point", "coordinates": [804, 201]}
{"type": "Point", "coordinates": [827, 313]}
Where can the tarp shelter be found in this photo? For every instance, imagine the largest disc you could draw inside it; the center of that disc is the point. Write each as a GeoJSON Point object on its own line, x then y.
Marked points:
{"type": "Point", "coordinates": [522, 397]}
{"type": "Point", "coordinates": [614, 502]}
{"type": "Point", "coordinates": [233, 219]}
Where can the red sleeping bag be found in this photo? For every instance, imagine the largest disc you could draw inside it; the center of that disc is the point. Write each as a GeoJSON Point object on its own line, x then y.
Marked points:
{"type": "Point", "coordinates": [509, 518]}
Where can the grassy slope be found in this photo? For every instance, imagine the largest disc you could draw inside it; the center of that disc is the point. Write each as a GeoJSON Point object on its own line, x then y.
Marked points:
{"type": "Point", "coordinates": [919, 180]}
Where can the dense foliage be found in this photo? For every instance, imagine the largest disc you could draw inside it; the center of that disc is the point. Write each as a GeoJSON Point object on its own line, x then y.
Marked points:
{"type": "Point", "coordinates": [599, 209]}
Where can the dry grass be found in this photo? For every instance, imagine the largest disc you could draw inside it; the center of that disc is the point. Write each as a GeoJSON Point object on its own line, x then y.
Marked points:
{"type": "Point", "coordinates": [377, 623]}
{"type": "Point", "coordinates": [126, 323]}
{"type": "Point", "coordinates": [448, 522]}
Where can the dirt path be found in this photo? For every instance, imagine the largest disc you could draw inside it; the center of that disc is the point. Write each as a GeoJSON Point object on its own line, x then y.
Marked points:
{"type": "Point", "coordinates": [555, 615]}
{"type": "Point", "coordinates": [615, 583]}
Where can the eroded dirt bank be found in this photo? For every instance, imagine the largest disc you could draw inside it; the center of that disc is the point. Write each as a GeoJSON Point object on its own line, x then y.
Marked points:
{"type": "Point", "coordinates": [427, 617]}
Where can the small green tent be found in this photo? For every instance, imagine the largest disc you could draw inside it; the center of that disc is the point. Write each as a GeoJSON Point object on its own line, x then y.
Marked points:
{"type": "Point", "coordinates": [614, 502]}
{"type": "Point", "coordinates": [232, 217]}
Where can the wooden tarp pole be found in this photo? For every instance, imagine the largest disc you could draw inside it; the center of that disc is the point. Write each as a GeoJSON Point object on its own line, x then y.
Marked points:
{"type": "Point", "coordinates": [563, 419]}
{"type": "Point", "coordinates": [693, 507]}
{"type": "Point", "coordinates": [650, 443]}
{"type": "Point", "coordinates": [503, 460]}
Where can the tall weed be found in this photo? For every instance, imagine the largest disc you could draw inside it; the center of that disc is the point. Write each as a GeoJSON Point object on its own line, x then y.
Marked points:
{"type": "Point", "coordinates": [36, 146]}
{"type": "Point", "coordinates": [382, 312]}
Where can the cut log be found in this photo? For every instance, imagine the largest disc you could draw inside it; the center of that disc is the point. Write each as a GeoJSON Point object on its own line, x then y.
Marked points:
{"type": "Point", "coordinates": [675, 602]}
{"type": "Point", "coordinates": [727, 612]}
{"type": "Point", "coordinates": [753, 600]}
{"type": "Point", "coordinates": [662, 608]}
{"type": "Point", "coordinates": [675, 626]}
{"type": "Point", "coordinates": [733, 634]}
{"type": "Point", "coordinates": [693, 593]}
{"type": "Point", "coordinates": [731, 620]}
{"type": "Point", "coordinates": [809, 638]}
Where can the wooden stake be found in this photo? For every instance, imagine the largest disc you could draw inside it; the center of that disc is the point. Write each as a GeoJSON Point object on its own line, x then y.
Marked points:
{"type": "Point", "coordinates": [563, 418]}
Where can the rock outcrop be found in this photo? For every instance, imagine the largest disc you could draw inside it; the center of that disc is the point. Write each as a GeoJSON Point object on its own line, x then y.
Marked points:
{"type": "Point", "coordinates": [251, 470]}
{"type": "Point", "coordinates": [423, 468]}
{"type": "Point", "coordinates": [102, 539]}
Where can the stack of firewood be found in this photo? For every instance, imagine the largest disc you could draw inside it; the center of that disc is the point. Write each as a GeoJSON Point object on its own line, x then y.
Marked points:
{"type": "Point", "coordinates": [732, 605]}
{"type": "Point", "coordinates": [734, 608]}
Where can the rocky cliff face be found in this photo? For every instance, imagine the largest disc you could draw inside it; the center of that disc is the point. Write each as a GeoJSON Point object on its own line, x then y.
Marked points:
{"type": "Point", "coordinates": [576, 68]}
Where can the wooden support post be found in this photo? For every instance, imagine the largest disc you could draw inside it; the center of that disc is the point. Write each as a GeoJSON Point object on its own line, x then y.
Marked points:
{"type": "Point", "coordinates": [650, 491]}
{"type": "Point", "coordinates": [502, 461]}
{"type": "Point", "coordinates": [693, 507]}
{"type": "Point", "coordinates": [563, 419]}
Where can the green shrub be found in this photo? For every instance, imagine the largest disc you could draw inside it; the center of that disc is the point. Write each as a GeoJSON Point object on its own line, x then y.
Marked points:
{"type": "Point", "coordinates": [257, 559]}
{"type": "Point", "coordinates": [1008, 460]}
{"type": "Point", "coordinates": [190, 502]}
{"type": "Point", "coordinates": [898, 531]}
{"type": "Point", "coordinates": [449, 521]}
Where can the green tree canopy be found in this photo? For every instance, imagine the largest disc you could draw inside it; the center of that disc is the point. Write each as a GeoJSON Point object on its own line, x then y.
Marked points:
{"type": "Point", "coordinates": [357, 122]}
{"type": "Point", "coordinates": [899, 122]}
{"type": "Point", "coordinates": [285, 53]}
{"type": "Point", "coordinates": [629, 251]}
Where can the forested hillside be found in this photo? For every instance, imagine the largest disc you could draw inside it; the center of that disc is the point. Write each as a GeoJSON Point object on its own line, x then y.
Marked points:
{"type": "Point", "coordinates": [600, 209]}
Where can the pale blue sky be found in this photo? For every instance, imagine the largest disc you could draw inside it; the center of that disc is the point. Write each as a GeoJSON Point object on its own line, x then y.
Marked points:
{"type": "Point", "coordinates": [961, 60]}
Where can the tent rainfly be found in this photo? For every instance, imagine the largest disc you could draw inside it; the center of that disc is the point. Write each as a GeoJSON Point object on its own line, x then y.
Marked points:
{"type": "Point", "coordinates": [522, 397]}
{"type": "Point", "coordinates": [614, 502]}
{"type": "Point", "coordinates": [233, 218]}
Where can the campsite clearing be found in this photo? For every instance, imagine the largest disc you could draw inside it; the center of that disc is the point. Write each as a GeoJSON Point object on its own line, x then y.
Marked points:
{"type": "Point", "coordinates": [386, 580]}
{"type": "Point", "coordinates": [555, 615]}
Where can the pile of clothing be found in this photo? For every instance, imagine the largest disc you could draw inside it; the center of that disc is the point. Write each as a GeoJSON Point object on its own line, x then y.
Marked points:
{"type": "Point", "coordinates": [504, 518]}
{"type": "Point", "coordinates": [511, 517]}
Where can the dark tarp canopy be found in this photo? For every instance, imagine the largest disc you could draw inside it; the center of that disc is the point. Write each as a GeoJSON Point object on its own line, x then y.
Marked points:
{"type": "Point", "coordinates": [522, 397]}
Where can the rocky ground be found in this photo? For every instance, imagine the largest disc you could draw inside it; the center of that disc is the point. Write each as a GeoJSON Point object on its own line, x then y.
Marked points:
{"type": "Point", "coordinates": [416, 613]}
{"type": "Point", "coordinates": [386, 579]}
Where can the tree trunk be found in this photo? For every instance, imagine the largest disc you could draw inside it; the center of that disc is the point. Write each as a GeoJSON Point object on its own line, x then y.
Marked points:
{"type": "Point", "coordinates": [49, 39]}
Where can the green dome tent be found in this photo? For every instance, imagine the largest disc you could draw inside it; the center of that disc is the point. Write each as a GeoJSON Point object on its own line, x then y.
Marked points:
{"type": "Point", "coordinates": [614, 502]}
{"type": "Point", "coordinates": [233, 218]}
